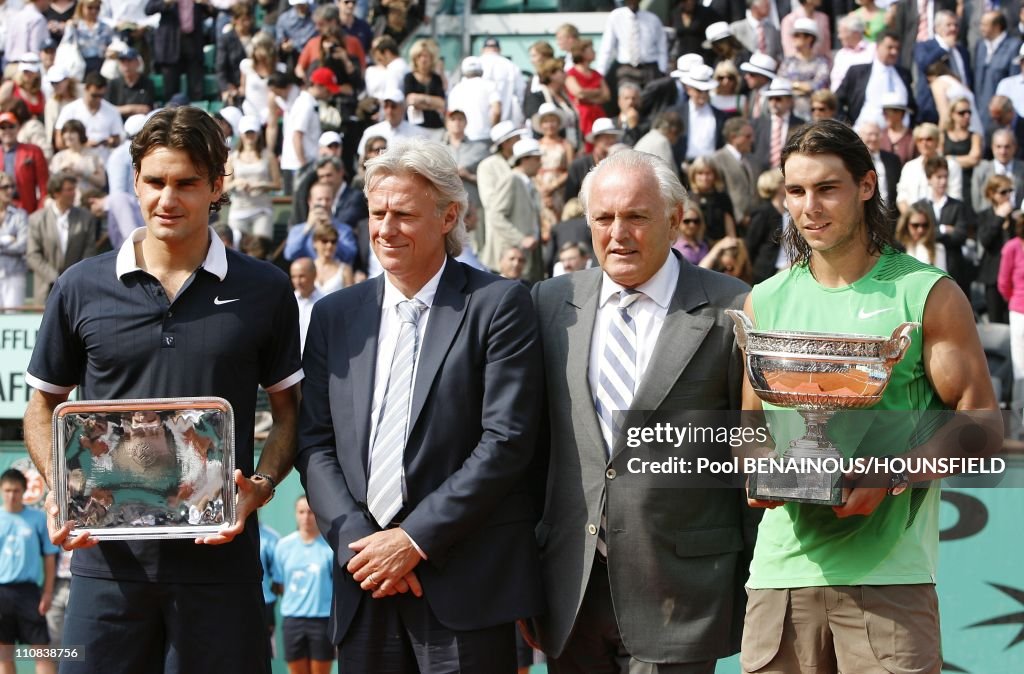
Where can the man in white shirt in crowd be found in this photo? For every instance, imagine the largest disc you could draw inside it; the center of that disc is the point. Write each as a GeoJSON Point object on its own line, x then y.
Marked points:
{"type": "Point", "coordinates": [303, 273]}
{"type": "Point", "coordinates": [633, 39]}
{"type": "Point", "coordinates": [393, 124]}
{"type": "Point", "coordinates": [507, 78]}
{"type": "Point", "coordinates": [26, 31]}
{"type": "Point", "coordinates": [855, 49]}
{"type": "Point", "coordinates": [302, 125]}
{"type": "Point", "coordinates": [865, 85]}
{"type": "Point", "coordinates": [103, 126]}
{"type": "Point", "coordinates": [913, 185]}
{"type": "Point", "coordinates": [478, 98]}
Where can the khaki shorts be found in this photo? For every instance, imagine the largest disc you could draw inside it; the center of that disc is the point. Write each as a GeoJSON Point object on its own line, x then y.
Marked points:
{"type": "Point", "coordinates": [862, 629]}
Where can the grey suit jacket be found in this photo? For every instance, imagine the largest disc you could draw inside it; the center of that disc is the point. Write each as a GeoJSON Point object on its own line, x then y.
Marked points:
{"type": "Point", "coordinates": [490, 174]}
{"type": "Point", "coordinates": [745, 33]}
{"type": "Point", "coordinates": [515, 213]}
{"type": "Point", "coordinates": [740, 181]}
{"type": "Point", "coordinates": [985, 170]}
{"type": "Point", "coordinates": [44, 255]}
{"type": "Point", "coordinates": [677, 558]}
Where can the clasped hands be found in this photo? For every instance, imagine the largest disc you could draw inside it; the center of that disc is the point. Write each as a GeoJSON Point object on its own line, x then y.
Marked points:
{"type": "Point", "coordinates": [384, 563]}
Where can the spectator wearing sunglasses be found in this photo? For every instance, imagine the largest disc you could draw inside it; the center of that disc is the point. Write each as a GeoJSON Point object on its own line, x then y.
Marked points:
{"type": "Point", "coordinates": [995, 228]}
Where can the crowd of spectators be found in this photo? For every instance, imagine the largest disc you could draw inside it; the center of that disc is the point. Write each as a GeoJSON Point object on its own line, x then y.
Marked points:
{"type": "Point", "coordinates": [307, 91]}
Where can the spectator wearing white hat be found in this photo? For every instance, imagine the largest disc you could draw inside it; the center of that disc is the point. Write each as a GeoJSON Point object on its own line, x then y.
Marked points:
{"type": "Point", "coordinates": [516, 213]}
{"type": "Point", "coordinates": [603, 134]}
{"type": "Point", "coordinates": [806, 9]}
{"type": "Point", "coordinates": [724, 46]}
{"type": "Point", "coordinates": [758, 73]}
{"type": "Point", "coordinates": [490, 175]}
{"type": "Point", "coordinates": [756, 32]}
{"type": "Point", "coordinates": [119, 164]}
{"type": "Point", "coordinates": [668, 93]}
{"type": "Point", "coordinates": [26, 85]}
{"type": "Point", "coordinates": [556, 156]}
{"type": "Point", "coordinates": [63, 90]}
{"type": "Point", "coordinates": [252, 174]}
{"type": "Point", "coordinates": [477, 98]}
{"type": "Point", "coordinates": [805, 69]}
{"type": "Point", "coordinates": [702, 122]}
{"type": "Point", "coordinates": [634, 41]}
{"type": "Point", "coordinates": [772, 130]}
{"type": "Point", "coordinates": [393, 124]}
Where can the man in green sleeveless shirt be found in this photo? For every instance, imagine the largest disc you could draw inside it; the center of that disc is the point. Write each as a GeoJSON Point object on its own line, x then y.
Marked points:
{"type": "Point", "coordinates": [851, 588]}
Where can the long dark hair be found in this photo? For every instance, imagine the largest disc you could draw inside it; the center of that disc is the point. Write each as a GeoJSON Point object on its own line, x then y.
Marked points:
{"type": "Point", "coordinates": [189, 129]}
{"type": "Point", "coordinates": [831, 137]}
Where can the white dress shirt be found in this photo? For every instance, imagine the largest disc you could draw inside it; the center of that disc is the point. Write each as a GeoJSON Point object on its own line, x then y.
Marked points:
{"type": "Point", "coordinates": [616, 40]}
{"type": "Point", "coordinates": [63, 223]}
{"type": "Point", "coordinates": [1013, 88]}
{"type": "Point", "coordinates": [305, 311]}
{"type": "Point", "coordinates": [700, 136]}
{"type": "Point", "coordinates": [883, 185]}
{"type": "Point", "coordinates": [882, 80]}
{"type": "Point", "coordinates": [648, 314]}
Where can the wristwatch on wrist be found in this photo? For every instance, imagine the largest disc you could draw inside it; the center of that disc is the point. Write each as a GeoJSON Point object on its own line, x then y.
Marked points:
{"type": "Point", "coordinates": [272, 481]}
{"type": "Point", "coordinates": [898, 482]}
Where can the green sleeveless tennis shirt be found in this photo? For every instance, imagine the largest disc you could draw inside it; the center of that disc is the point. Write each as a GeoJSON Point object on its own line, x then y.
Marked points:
{"type": "Point", "coordinates": [804, 545]}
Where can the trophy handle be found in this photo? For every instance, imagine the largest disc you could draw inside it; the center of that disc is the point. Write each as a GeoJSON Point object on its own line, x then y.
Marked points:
{"type": "Point", "coordinates": [743, 326]}
{"type": "Point", "coordinates": [898, 344]}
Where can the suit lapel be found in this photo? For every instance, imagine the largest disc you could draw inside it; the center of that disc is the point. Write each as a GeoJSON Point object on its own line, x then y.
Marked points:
{"type": "Point", "coordinates": [364, 329]}
{"type": "Point", "coordinates": [54, 235]}
{"type": "Point", "coordinates": [446, 316]}
{"type": "Point", "coordinates": [680, 337]}
{"type": "Point", "coordinates": [579, 315]}
{"type": "Point", "coordinates": [76, 239]}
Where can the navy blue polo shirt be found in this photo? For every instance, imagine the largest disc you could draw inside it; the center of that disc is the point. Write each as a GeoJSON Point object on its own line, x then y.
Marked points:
{"type": "Point", "coordinates": [110, 330]}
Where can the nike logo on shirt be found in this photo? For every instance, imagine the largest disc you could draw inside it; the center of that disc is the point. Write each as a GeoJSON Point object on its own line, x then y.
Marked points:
{"type": "Point", "coordinates": [218, 301]}
{"type": "Point", "coordinates": [869, 314]}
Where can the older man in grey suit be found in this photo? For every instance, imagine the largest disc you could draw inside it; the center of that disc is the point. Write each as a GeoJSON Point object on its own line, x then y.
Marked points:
{"type": "Point", "coordinates": [1003, 162]}
{"type": "Point", "coordinates": [756, 32]}
{"type": "Point", "coordinates": [59, 235]}
{"type": "Point", "coordinates": [637, 578]}
{"type": "Point", "coordinates": [514, 216]}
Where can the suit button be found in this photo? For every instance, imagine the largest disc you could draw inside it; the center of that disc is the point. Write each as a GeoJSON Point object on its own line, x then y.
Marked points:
{"type": "Point", "coordinates": [591, 529]}
{"type": "Point", "coordinates": [610, 474]}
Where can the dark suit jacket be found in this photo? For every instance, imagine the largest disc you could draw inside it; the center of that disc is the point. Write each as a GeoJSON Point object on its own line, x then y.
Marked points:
{"type": "Point", "coordinates": [167, 37]}
{"type": "Point", "coordinates": [469, 503]}
{"type": "Point", "coordinates": [660, 95]}
{"type": "Point", "coordinates": [720, 119]}
{"type": "Point", "coordinates": [904, 23]}
{"type": "Point", "coordinates": [893, 169]}
{"type": "Point", "coordinates": [992, 237]}
{"type": "Point", "coordinates": [957, 215]}
{"type": "Point", "coordinates": [677, 558]}
{"type": "Point", "coordinates": [230, 53]}
{"type": "Point", "coordinates": [43, 253]}
{"type": "Point", "coordinates": [763, 139]}
{"type": "Point", "coordinates": [852, 91]}
{"type": "Point", "coordinates": [987, 75]}
{"type": "Point", "coordinates": [763, 240]}
{"type": "Point", "coordinates": [578, 170]}
{"type": "Point", "coordinates": [1017, 126]}
{"type": "Point", "coordinates": [925, 54]}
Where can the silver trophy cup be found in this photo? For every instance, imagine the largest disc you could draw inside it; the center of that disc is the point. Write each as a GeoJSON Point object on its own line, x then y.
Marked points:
{"type": "Point", "coordinates": [816, 374]}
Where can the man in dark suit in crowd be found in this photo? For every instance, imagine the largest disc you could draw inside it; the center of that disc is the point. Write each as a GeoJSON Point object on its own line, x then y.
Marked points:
{"type": "Point", "coordinates": [603, 134]}
{"type": "Point", "coordinates": [943, 46]}
{"type": "Point", "coordinates": [906, 22]}
{"type": "Point", "coordinates": [1003, 116]}
{"type": "Point", "coordinates": [178, 44]}
{"type": "Point", "coordinates": [1004, 162]}
{"type": "Point", "coordinates": [887, 165]}
{"type": "Point", "coordinates": [638, 578]}
{"type": "Point", "coordinates": [866, 83]}
{"type": "Point", "coordinates": [427, 515]}
{"type": "Point", "coordinates": [702, 122]}
{"type": "Point", "coordinates": [995, 57]}
{"type": "Point", "coordinates": [773, 129]}
{"type": "Point", "coordinates": [756, 26]}
{"type": "Point", "coordinates": [667, 93]}
{"type": "Point", "coordinates": [952, 221]}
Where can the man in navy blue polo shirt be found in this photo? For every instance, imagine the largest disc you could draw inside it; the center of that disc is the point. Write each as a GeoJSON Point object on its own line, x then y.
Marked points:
{"type": "Point", "coordinates": [172, 313]}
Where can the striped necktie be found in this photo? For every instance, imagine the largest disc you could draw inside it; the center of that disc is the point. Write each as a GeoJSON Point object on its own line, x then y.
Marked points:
{"type": "Point", "coordinates": [384, 488]}
{"type": "Point", "coordinates": [617, 376]}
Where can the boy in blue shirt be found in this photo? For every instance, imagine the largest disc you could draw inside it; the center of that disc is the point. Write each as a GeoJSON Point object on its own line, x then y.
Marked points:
{"type": "Point", "coordinates": [302, 572]}
{"type": "Point", "coordinates": [25, 553]}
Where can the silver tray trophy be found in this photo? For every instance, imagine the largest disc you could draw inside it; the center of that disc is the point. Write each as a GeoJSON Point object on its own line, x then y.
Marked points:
{"type": "Point", "coordinates": [817, 374]}
{"type": "Point", "coordinates": [144, 469]}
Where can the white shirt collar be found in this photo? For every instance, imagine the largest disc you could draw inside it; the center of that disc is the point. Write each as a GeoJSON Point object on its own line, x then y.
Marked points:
{"type": "Point", "coordinates": [994, 44]}
{"type": "Point", "coordinates": [659, 287]}
{"type": "Point", "coordinates": [734, 152]}
{"type": "Point", "coordinates": [216, 261]}
{"type": "Point", "coordinates": [392, 295]}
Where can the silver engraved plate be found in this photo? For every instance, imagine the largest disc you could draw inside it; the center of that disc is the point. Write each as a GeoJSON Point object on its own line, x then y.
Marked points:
{"type": "Point", "coordinates": [142, 469]}
{"type": "Point", "coordinates": [816, 374]}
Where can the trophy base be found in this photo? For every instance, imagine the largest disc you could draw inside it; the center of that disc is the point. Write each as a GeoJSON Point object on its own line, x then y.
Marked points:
{"type": "Point", "coordinates": [818, 487]}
